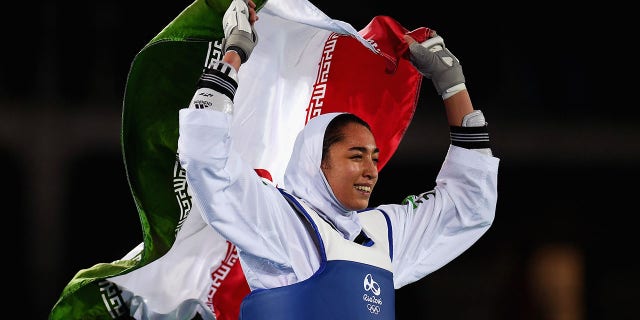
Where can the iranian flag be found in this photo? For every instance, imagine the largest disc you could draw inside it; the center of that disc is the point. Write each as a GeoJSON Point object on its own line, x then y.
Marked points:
{"type": "Point", "coordinates": [305, 64]}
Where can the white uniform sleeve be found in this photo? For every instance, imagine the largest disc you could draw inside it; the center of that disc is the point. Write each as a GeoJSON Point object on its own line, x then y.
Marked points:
{"type": "Point", "coordinates": [232, 197]}
{"type": "Point", "coordinates": [435, 227]}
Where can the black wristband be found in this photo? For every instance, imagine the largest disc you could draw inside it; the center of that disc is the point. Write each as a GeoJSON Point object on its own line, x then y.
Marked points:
{"type": "Point", "coordinates": [470, 137]}
{"type": "Point", "coordinates": [217, 78]}
{"type": "Point", "coordinates": [239, 51]}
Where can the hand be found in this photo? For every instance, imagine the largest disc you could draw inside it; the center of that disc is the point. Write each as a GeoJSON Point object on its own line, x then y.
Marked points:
{"type": "Point", "coordinates": [237, 22]}
{"type": "Point", "coordinates": [434, 61]}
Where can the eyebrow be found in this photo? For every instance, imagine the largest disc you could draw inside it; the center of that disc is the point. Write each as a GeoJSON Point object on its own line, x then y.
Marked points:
{"type": "Point", "coordinates": [363, 149]}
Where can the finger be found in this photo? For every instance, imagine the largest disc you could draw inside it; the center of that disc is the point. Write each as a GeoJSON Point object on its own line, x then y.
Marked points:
{"type": "Point", "coordinates": [253, 16]}
{"type": "Point", "coordinates": [408, 39]}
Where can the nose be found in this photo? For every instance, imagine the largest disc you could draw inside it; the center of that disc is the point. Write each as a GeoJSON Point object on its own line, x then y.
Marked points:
{"type": "Point", "coordinates": [370, 169]}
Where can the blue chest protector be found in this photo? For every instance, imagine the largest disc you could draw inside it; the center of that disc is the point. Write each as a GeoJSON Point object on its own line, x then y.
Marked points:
{"type": "Point", "coordinates": [354, 281]}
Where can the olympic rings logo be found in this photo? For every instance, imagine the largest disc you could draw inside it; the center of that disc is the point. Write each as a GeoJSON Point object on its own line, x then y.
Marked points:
{"type": "Point", "coordinates": [373, 308]}
{"type": "Point", "coordinates": [371, 285]}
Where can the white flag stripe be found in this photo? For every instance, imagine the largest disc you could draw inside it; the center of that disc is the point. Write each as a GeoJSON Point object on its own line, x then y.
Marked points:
{"type": "Point", "coordinates": [267, 118]}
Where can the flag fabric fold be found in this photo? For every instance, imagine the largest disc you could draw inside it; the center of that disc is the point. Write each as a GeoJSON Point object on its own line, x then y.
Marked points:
{"type": "Point", "coordinates": [305, 64]}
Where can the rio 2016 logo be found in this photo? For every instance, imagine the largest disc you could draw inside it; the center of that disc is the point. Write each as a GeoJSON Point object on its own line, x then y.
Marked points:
{"type": "Point", "coordinates": [374, 304]}
{"type": "Point", "coordinates": [371, 285]}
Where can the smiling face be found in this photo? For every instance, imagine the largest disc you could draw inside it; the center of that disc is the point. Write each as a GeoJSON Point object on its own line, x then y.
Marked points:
{"type": "Point", "coordinates": [351, 166]}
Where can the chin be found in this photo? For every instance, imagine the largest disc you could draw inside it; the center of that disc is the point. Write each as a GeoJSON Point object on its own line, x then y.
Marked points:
{"type": "Point", "coordinates": [360, 206]}
{"type": "Point", "coordinates": [356, 204]}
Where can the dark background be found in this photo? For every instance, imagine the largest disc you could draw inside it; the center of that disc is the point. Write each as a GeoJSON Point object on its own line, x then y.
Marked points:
{"type": "Point", "coordinates": [556, 86]}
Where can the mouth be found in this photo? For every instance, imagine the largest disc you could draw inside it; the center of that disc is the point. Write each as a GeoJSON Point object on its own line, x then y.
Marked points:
{"type": "Point", "coordinates": [363, 188]}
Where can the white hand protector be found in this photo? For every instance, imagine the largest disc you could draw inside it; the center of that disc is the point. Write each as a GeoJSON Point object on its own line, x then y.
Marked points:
{"type": "Point", "coordinates": [238, 32]}
{"type": "Point", "coordinates": [436, 62]}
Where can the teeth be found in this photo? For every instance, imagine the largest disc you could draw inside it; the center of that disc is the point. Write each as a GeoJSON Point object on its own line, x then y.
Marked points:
{"type": "Point", "coordinates": [363, 188]}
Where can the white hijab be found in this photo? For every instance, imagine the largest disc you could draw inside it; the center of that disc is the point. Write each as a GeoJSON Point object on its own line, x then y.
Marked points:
{"type": "Point", "coordinates": [304, 178]}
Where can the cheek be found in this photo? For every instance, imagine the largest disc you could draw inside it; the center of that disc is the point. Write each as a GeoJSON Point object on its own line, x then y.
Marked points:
{"type": "Point", "coordinates": [344, 169]}
{"type": "Point", "coordinates": [341, 175]}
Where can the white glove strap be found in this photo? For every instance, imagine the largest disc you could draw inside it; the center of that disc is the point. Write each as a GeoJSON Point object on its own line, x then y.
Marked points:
{"type": "Point", "coordinates": [453, 90]}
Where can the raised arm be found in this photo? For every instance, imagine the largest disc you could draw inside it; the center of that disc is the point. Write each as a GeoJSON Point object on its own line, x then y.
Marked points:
{"type": "Point", "coordinates": [434, 61]}
{"type": "Point", "coordinates": [436, 226]}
